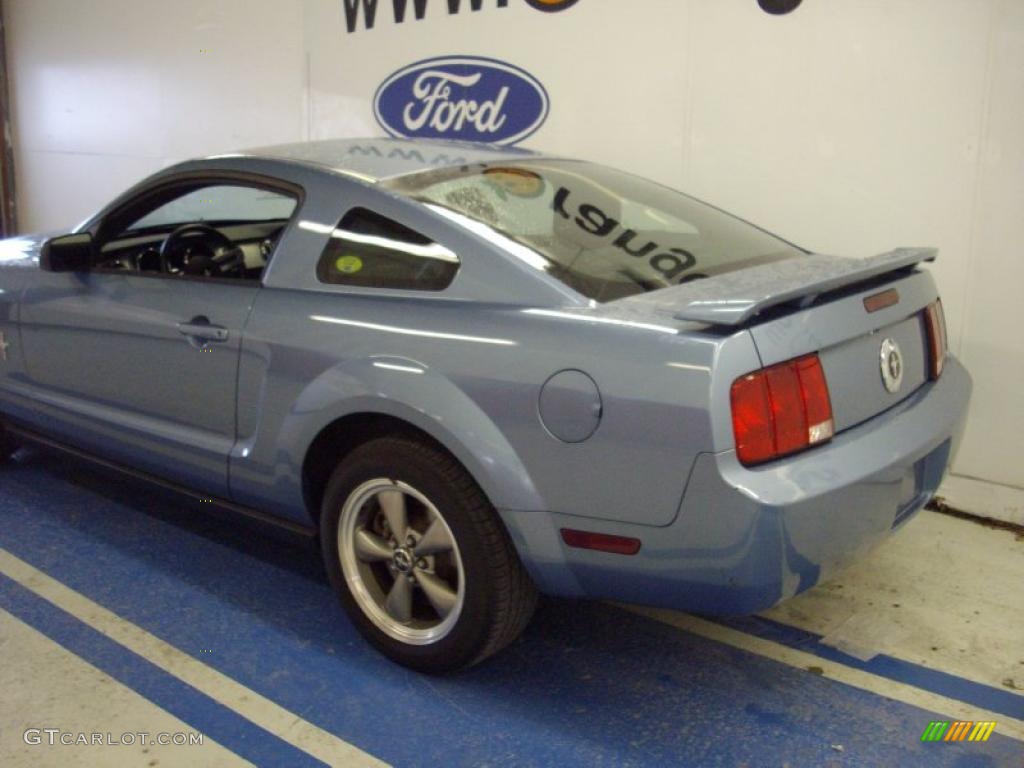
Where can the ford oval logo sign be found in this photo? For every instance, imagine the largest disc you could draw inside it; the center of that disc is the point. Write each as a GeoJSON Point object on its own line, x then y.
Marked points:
{"type": "Point", "coordinates": [469, 98]}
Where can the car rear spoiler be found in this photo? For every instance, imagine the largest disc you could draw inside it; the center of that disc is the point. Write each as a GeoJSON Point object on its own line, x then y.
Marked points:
{"type": "Point", "coordinates": [733, 298]}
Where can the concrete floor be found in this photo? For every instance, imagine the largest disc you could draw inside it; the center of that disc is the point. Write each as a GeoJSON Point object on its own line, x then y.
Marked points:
{"type": "Point", "coordinates": [949, 595]}
{"type": "Point", "coordinates": [46, 686]}
{"type": "Point", "coordinates": [125, 609]}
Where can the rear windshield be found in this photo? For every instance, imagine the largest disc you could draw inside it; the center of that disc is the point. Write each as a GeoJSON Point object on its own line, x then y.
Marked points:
{"type": "Point", "coordinates": [605, 233]}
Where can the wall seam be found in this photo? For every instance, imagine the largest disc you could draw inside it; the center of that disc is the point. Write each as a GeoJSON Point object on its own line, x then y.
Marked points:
{"type": "Point", "coordinates": [979, 160]}
{"type": "Point", "coordinates": [987, 481]}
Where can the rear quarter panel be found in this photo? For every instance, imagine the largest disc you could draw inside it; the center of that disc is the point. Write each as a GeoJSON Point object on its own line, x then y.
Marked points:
{"type": "Point", "coordinates": [310, 358]}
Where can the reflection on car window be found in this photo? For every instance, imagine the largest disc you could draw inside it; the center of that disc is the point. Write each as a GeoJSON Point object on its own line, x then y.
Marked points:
{"type": "Point", "coordinates": [197, 229]}
{"type": "Point", "coordinates": [219, 203]}
{"type": "Point", "coordinates": [605, 233]}
{"type": "Point", "coordinates": [372, 251]}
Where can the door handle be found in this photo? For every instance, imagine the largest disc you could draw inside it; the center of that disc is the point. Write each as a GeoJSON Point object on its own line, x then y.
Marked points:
{"type": "Point", "coordinates": [197, 329]}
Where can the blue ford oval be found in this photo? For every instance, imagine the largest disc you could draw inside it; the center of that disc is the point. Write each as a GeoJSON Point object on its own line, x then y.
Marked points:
{"type": "Point", "coordinates": [468, 98]}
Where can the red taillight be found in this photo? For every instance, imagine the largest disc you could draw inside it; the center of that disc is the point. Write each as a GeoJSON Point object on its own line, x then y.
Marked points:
{"type": "Point", "coordinates": [602, 542]}
{"type": "Point", "coordinates": [935, 320]}
{"type": "Point", "coordinates": [780, 410]}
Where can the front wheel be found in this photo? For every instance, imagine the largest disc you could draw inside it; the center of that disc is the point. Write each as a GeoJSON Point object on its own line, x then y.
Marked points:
{"type": "Point", "coordinates": [420, 560]}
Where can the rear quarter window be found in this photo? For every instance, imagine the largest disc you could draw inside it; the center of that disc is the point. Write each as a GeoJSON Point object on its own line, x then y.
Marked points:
{"type": "Point", "coordinates": [372, 251]}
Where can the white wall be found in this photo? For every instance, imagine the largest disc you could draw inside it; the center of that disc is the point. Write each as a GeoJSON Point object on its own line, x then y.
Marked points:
{"type": "Point", "coordinates": [105, 92]}
{"type": "Point", "coordinates": [848, 127]}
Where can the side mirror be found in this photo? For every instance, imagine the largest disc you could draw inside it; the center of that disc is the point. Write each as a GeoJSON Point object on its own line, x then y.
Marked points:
{"type": "Point", "coordinates": [67, 253]}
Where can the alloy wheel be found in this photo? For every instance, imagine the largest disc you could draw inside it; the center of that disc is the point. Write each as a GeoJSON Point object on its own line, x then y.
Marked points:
{"type": "Point", "coordinates": [401, 561]}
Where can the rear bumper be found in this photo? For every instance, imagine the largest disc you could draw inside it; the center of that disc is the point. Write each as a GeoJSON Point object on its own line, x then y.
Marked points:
{"type": "Point", "coordinates": [746, 538]}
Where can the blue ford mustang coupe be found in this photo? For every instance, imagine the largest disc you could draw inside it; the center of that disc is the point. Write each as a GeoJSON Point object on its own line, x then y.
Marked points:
{"type": "Point", "coordinates": [478, 374]}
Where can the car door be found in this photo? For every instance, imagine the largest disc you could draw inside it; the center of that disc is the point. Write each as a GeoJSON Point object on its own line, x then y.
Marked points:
{"type": "Point", "coordinates": [136, 360]}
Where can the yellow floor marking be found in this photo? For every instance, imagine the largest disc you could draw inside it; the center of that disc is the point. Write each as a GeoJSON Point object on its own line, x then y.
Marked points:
{"type": "Point", "coordinates": [47, 686]}
{"type": "Point", "coordinates": [926, 595]}
{"type": "Point", "coordinates": [866, 681]}
{"type": "Point", "coordinates": [232, 694]}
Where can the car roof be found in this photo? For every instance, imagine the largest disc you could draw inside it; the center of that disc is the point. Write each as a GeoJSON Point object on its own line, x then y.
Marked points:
{"type": "Point", "coordinates": [375, 159]}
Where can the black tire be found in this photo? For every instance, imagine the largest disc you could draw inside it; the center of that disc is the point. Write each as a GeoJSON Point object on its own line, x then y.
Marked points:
{"type": "Point", "coordinates": [7, 444]}
{"type": "Point", "coordinates": [499, 596]}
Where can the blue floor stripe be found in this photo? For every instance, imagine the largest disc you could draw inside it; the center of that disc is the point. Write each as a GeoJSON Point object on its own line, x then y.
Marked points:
{"type": "Point", "coordinates": [1002, 702]}
{"type": "Point", "coordinates": [214, 720]}
{"type": "Point", "coordinates": [588, 684]}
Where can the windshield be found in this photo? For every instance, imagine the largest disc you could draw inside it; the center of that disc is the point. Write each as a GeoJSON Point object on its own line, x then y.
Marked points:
{"type": "Point", "coordinates": [605, 233]}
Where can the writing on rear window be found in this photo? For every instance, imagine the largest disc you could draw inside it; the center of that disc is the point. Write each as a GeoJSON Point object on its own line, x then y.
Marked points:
{"type": "Point", "coordinates": [604, 233]}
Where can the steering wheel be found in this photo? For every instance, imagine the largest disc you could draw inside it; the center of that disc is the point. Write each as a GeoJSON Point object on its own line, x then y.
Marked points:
{"type": "Point", "coordinates": [205, 251]}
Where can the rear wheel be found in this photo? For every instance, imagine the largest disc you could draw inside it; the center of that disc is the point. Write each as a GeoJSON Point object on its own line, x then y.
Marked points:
{"type": "Point", "coordinates": [419, 558]}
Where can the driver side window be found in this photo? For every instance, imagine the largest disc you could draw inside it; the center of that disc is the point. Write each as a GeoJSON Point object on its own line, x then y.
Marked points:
{"type": "Point", "coordinates": [198, 230]}
{"type": "Point", "coordinates": [224, 203]}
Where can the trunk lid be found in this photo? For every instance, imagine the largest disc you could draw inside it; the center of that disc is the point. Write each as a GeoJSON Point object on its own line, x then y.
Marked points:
{"type": "Point", "coordinates": [849, 341]}
{"type": "Point", "coordinates": [825, 305]}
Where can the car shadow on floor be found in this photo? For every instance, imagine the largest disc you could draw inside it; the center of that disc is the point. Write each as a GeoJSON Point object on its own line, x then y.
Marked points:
{"type": "Point", "coordinates": [587, 683]}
